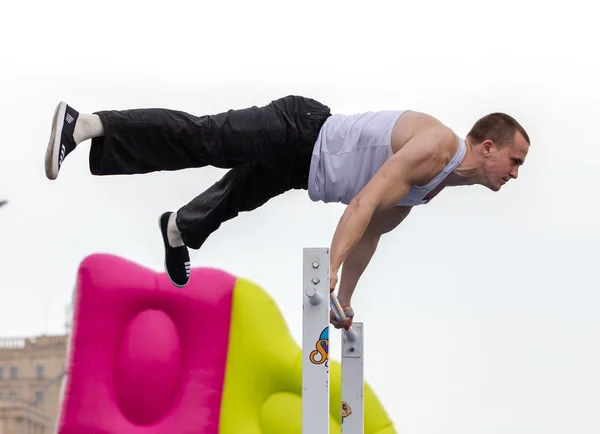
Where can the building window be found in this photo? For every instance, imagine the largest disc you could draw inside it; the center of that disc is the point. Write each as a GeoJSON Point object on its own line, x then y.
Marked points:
{"type": "Point", "coordinates": [1, 373]}
{"type": "Point", "coordinates": [13, 396]}
{"type": "Point", "coordinates": [39, 397]}
{"type": "Point", "coordinates": [14, 372]}
{"type": "Point", "coordinates": [39, 369]}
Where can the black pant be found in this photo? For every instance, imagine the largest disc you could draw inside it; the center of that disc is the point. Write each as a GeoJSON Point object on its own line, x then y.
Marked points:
{"type": "Point", "coordinates": [268, 150]}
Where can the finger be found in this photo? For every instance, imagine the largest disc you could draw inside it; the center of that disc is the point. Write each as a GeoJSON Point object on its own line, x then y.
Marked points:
{"type": "Point", "coordinates": [335, 321]}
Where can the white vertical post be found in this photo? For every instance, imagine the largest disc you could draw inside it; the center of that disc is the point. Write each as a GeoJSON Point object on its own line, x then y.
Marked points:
{"type": "Point", "coordinates": [353, 382]}
{"type": "Point", "coordinates": [315, 341]}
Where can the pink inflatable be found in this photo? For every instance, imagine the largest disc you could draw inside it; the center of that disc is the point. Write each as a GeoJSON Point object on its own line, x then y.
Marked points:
{"type": "Point", "coordinates": [145, 356]}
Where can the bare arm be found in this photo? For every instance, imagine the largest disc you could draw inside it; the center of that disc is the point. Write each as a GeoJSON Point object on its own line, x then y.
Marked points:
{"type": "Point", "coordinates": [361, 255]}
{"type": "Point", "coordinates": [416, 163]}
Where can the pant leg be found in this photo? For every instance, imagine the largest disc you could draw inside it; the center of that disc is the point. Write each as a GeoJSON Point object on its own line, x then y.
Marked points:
{"type": "Point", "coordinates": [145, 140]}
{"type": "Point", "coordinates": [243, 188]}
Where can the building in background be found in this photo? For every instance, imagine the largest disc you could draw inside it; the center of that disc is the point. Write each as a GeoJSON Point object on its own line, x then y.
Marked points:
{"type": "Point", "coordinates": [31, 373]}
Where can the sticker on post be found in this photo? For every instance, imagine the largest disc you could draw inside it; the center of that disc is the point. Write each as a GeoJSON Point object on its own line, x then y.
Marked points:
{"type": "Point", "coordinates": [320, 354]}
{"type": "Point", "coordinates": [346, 410]}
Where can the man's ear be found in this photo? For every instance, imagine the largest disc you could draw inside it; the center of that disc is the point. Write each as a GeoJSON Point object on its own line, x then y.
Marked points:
{"type": "Point", "coordinates": [487, 148]}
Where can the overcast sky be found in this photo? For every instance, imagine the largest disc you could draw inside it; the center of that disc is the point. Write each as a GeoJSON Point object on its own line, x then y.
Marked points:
{"type": "Point", "coordinates": [480, 311]}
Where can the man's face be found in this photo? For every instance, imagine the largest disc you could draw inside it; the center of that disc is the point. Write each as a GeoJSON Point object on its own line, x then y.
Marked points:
{"type": "Point", "coordinates": [502, 163]}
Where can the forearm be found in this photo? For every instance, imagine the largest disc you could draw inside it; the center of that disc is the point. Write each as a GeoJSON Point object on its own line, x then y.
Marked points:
{"type": "Point", "coordinates": [354, 266]}
{"type": "Point", "coordinates": [348, 233]}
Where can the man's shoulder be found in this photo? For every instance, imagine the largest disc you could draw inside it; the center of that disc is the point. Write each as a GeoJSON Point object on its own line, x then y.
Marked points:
{"type": "Point", "coordinates": [443, 139]}
{"type": "Point", "coordinates": [439, 138]}
{"type": "Point", "coordinates": [414, 123]}
{"type": "Point", "coordinates": [448, 139]}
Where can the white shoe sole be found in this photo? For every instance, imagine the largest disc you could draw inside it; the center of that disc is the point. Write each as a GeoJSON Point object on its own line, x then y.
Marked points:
{"type": "Point", "coordinates": [53, 150]}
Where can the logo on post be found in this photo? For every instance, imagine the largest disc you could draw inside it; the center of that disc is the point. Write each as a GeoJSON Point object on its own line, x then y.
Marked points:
{"type": "Point", "coordinates": [320, 354]}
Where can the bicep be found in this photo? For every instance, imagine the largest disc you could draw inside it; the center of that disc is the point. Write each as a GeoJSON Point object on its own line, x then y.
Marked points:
{"type": "Point", "coordinates": [416, 163]}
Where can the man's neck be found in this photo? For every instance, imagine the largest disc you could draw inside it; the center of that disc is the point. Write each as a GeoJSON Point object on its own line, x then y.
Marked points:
{"type": "Point", "coordinates": [455, 179]}
{"type": "Point", "coordinates": [467, 172]}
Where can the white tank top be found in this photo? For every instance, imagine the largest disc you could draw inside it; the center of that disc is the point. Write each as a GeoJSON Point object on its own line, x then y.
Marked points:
{"type": "Point", "coordinates": [351, 148]}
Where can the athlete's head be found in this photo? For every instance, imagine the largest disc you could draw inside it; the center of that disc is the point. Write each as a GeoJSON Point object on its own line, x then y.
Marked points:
{"type": "Point", "coordinates": [501, 144]}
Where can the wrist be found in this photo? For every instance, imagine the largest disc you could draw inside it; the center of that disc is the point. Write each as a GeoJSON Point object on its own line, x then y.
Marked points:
{"type": "Point", "coordinates": [344, 299]}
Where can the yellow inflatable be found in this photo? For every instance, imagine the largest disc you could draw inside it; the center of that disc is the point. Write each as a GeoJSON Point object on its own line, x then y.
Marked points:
{"type": "Point", "coordinates": [263, 383]}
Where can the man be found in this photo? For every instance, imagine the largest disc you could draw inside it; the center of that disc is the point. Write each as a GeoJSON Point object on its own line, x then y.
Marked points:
{"type": "Point", "coordinates": [380, 164]}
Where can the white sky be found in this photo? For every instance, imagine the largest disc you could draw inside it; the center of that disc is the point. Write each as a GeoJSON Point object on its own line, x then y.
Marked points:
{"type": "Point", "coordinates": [480, 311]}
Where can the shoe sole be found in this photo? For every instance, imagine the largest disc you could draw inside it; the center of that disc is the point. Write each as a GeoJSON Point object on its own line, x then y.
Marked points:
{"type": "Point", "coordinates": [165, 261]}
{"type": "Point", "coordinates": [53, 149]}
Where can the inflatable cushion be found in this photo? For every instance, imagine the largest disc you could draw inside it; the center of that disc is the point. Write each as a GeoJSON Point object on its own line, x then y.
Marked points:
{"type": "Point", "coordinates": [215, 357]}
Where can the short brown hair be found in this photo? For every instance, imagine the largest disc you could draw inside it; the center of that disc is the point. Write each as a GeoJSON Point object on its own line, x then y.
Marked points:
{"type": "Point", "coordinates": [498, 127]}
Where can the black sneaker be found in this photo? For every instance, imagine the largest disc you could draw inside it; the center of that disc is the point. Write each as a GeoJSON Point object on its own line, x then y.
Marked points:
{"type": "Point", "coordinates": [177, 259]}
{"type": "Point", "coordinates": [61, 141]}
